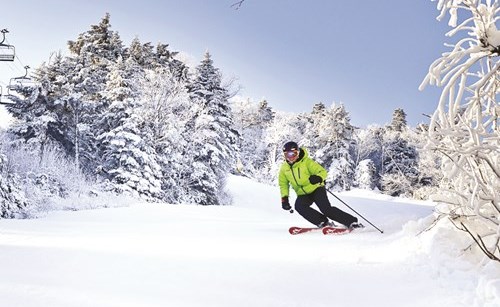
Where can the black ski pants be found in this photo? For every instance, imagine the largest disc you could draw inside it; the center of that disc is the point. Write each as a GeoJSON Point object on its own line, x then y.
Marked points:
{"type": "Point", "coordinates": [320, 198]}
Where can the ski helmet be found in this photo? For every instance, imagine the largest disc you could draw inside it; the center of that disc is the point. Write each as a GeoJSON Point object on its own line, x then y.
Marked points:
{"type": "Point", "coordinates": [289, 146]}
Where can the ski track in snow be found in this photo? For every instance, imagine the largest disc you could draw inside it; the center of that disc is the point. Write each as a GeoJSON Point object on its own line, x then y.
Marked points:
{"type": "Point", "coordinates": [240, 255]}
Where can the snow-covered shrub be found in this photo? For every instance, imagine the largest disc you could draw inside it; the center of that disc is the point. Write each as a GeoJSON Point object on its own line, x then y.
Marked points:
{"type": "Point", "coordinates": [13, 203]}
{"type": "Point", "coordinates": [396, 184]}
{"type": "Point", "coordinates": [425, 192]}
{"type": "Point", "coordinates": [41, 179]}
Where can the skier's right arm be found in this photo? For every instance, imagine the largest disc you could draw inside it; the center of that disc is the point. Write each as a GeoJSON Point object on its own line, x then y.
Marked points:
{"type": "Point", "coordinates": [284, 184]}
{"type": "Point", "coordinates": [285, 204]}
{"type": "Point", "coordinates": [284, 190]}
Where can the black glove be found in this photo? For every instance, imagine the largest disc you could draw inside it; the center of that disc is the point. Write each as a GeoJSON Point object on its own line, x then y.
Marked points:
{"type": "Point", "coordinates": [285, 204]}
{"type": "Point", "coordinates": [313, 179]}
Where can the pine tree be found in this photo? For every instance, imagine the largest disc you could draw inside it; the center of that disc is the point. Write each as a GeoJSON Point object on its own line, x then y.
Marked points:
{"type": "Point", "coordinates": [314, 121]}
{"type": "Point", "coordinates": [400, 167]}
{"type": "Point", "coordinates": [54, 77]}
{"type": "Point", "coordinates": [213, 137]}
{"type": "Point", "coordinates": [398, 123]}
{"type": "Point", "coordinates": [121, 81]}
{"type": "Point", "coordinates": [335, 136]}
{"type": "Point", "coordinates": [167, 59]}
{"type": "Point", "coordinates": [129, 162]}
{"type": "Point", "coordinates": [142, 54]}
{"type": "Point", "coordinates": [127, 159]}
{"type": "Point", "coordinates": [94, 52]}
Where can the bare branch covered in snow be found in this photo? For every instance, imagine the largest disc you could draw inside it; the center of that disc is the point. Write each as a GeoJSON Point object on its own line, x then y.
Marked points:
{"type": "Point", "coordinates": [465, 126]}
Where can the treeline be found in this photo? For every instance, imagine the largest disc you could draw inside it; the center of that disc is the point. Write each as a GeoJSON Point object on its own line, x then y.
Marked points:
{"type": "Point", "coordinates": [137, 120]}
{"type": "Point", "coordinates": [389, 158]}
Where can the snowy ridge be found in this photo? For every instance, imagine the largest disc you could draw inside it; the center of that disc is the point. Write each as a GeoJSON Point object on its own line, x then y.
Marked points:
{"type": "Point", "coordinates": [240, 255]}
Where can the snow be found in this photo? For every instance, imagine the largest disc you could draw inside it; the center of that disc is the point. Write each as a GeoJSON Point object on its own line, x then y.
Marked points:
{"type": "Point", "coordinates": [241, 255]}
{"type": "Point", "coordinates": [5, 118]}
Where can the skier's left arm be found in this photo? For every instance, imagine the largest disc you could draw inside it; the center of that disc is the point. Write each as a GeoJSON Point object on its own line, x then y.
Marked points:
{"type": "Point", "coordinates": [315, 169]}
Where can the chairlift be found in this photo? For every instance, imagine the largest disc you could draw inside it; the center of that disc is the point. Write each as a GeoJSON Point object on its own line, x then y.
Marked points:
{"type": "Point", "coordinates": [7, 52]}
{"type": "Point", "coordinates": [22, 82]}
{"type": "Point", "coordinates": [21, 87]}
{"type": "Point", "coordinates": [2, 101]}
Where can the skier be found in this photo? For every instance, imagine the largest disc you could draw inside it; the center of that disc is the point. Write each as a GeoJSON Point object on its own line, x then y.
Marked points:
{"type": "Point", "coordinates": [307, 179]}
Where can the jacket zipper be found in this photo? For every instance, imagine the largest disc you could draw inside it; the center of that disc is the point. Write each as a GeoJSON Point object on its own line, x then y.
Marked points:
{"type": "Point", "coordinates": [293, 174]}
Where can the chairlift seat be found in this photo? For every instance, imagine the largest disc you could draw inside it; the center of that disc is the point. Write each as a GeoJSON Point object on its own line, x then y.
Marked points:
{"type": "Point", "coordinates": [22, 82]}
{"type": "Point", "coordinates": [2, 101]}
{"type": "Point", "coordinates": [7, 53]}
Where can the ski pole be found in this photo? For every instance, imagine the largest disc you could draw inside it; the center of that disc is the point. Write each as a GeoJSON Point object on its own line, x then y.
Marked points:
{"type": "Point", "coordinates": [381, 231]}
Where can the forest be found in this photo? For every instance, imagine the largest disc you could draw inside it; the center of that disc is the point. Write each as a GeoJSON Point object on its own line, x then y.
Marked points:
{"type": "Point", "coordinates": [137, 120]}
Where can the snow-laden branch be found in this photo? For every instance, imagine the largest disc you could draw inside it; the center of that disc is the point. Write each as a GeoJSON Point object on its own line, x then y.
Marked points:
{"type": "Point", "coordinates": [465, 125]}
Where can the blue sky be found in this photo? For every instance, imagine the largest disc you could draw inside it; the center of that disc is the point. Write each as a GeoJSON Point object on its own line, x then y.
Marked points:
{"type": "Point", "coordinates": [369, 55]}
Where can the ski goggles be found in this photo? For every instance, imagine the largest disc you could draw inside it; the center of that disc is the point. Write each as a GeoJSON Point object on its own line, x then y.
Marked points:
{"type": "Point", "coordinates": [292, 154]}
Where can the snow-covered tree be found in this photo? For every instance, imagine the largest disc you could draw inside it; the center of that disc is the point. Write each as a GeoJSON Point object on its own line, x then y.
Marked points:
{"type": "Point", "coordinates": [252, 120]}
{"type": "Point", "coordinates": [313, 124]}
{"type": "Point", "coordinates": [123, 80]}
{"type": "Point", "coordinates": [142, 54]}
{"type": "Point", "coordinates": [213, 137]}
{"type": "Point", "coordinates": [334, 139]}
{"type": "Point", "coordinates": [284, 128]}
{"type": "Point", "coordinates": [369, 143]}
{"type": "Point", "coordinates": [465, 126]}
{"type": "Point", "coordinates": [13, 202]}
{"type": "Point", "coordinates": [166, 58]}
{"type": "Point", "coordinates": [366, 175]}
{"type": "Point", "coordinates": [400, 170]}
{"type": "Point", "coordinates": [398, 121]}
{"type": "Point", "coordinates": [93, 52]}
{"type": "Point", "coordinates": [129, 162]}
{"type": "Point", "coordinates": [68, 108]}
{"type": "Point", "coordinates": [166, 109]}
{"type": "Point", "coordinates": [429, 164]}
{"type": "Point", "coordinates": [121, 114]}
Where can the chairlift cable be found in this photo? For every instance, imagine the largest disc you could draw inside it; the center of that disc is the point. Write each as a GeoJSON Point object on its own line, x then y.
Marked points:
{"type": "Point", "coordinates": [14, 67]}
{"type": "Point", "coordinates": [20, 62]}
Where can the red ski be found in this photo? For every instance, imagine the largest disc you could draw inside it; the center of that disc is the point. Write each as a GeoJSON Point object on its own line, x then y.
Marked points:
{"type": "Point", "coordinates": [335, 230]}
{"type": "Point", "coordinates": [298, 230]}
{"type": "Point", "coordinates": [329, 230]}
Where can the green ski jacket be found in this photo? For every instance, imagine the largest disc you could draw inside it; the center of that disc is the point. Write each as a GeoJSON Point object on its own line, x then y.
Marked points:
{"type": "Point", "coordinates": [297, 175]}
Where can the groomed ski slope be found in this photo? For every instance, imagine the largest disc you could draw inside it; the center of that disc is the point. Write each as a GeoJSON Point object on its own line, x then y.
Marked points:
{"type": "Point", "coordinates": [242, 255]}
